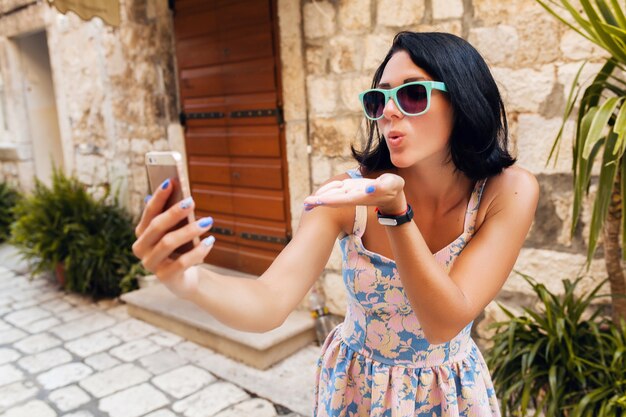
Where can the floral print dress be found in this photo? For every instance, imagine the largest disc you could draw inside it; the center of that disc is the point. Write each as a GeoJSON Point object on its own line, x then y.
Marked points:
{"type": "Point", "coordinates": [378, 362]}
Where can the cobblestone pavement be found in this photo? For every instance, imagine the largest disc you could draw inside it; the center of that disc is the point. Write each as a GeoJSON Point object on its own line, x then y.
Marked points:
{"type": "Point", "coordinates": [64, 355]}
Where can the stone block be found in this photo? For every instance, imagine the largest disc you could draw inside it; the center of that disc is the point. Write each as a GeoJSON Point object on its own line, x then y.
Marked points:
{"type": "Point", "coordinates": [497, 44]}
{"type": "Point", "coordinates": [9, 374]}
{"type": "Point", "coordinates": [8, 355]}
{"type": "Point", "coordinates": [101, 361]}
{"type": "Point", "coordinates": [322, 95]}
{"type": "Point", "coordinates": [211, 400]}
{"type": "Point", "coordinates": [183, 381]}
{"type": "Point", "coordinates": [319, 19]}
{"type": "Point", "coordinates": [355, 16]}
{"type": "Point", "coordinates": [575, 47]}
{"type": "Point", "coordinates": [316, 60]}
{"type": "Point", "coordinates": [32, 408]}
{"type": "Point", "coordinates": [335, 291]}
{"type": "Point", "coordinates": [89, 324]}
{"type": "Point", "coordinates": [447, 9]}
{"type": "Point", "coordinates": [37, 343]}
{"type": "Point", "coordinates": [550, 268]}
{"type": "Point", "coordinates": [539, 41]}
{"type": "Point", "coordinates": [45, 360]}
{"type": "Point", "coordinates": [552, 224]}
{"type": "Point", "coordinates": [69, 398]}
{"type": "Point", "coordinates": [398, 13]}
{"type": "Point", "coordinates": [534, 139]}
{"type": "Point", "coordinates": [332, 137]}
{"type": "Point", "coordinates": [320, 169]}
{"type": "Point", "coordinates": [93, 343]}
{"type": "Point", "coordinates": [345, 55]}
{"type": "Point", "coordinates": [135, 349]}
{"type": "Point", "coordinates": [16, 392]}
{"type": "Point", "coordinates": [566, 72]}
{"type": "Point", "coordinates": [349, 90]}
{"type": "Point", "coordinates": [256, 407]}
{"type": "Point", "coordinates": [132, 329]}
{"type": "Point", "coordinates": [162, 361]}
{"type": "Point", "coordinates": [64, 375]}
{"type": "Point", "coordinates": [115, 379]}
{"type": "Point", "coordinates": [133, 402]}
{"type": "Point", "coordinates": [376, 48]}
{"type": "Point", "coordinates": [448, 26]}
{"type": "Point", "coordinates": [524, 90]}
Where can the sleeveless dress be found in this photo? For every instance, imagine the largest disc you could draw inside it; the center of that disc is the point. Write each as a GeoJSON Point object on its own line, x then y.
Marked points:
{"type": "Point", "coordinates": [378, 362]}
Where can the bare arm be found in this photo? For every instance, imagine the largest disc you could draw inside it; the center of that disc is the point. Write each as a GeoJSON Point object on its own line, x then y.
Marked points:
{"type": "Point", "coordinates": [256, 305]}
{"type": "Point", "coordinates": [446, 303]}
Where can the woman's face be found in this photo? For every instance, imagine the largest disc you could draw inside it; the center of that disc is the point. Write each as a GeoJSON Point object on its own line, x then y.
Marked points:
{"type": "Point", "coordinates": [414, 139]}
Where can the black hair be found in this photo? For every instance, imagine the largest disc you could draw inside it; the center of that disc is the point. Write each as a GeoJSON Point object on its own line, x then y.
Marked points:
{"type": "Point", "coordinates": [479, 137]}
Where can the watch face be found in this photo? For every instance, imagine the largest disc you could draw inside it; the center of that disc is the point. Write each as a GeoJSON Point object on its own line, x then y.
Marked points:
{"type": "Point", "coordinates": [387, 222]}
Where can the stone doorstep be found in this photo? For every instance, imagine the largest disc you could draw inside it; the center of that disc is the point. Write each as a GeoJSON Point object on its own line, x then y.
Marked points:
{"type": "Point", "coordinates": [158, 306]}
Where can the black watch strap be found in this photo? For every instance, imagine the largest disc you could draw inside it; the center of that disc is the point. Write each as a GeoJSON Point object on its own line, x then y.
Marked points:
{"type": "Point", "coordinates": [390, 220]}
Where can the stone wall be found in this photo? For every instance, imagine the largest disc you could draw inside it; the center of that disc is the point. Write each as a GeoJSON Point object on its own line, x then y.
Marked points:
{"type": "Point", "coordinates": [534, 59]}
{"type": "Point", "coordinates": [115, 90]}
{"type": "Point", "coordinates": [116, 99]}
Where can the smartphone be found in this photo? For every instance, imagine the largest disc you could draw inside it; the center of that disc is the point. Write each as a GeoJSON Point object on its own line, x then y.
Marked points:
{"type": "Point", "coordinates": [161, 166]}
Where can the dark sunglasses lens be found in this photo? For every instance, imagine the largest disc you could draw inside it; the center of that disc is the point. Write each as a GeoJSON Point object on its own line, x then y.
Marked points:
{"type": "Point", "coordinates": [374, 103]}
{"type": "Point", "coordinates": [413, 98]}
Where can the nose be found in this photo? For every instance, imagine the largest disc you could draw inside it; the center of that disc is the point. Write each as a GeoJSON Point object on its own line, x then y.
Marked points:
{"type": "Point", "coordinates": [391, 110]}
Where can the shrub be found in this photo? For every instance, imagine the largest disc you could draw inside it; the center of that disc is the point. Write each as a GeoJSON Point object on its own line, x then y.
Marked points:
{"type": "Point", "coordinates": [557, 361]}
{"type": "Point", "coordinates": [91, 238]}
{"type": "Point", "coordinates": [9, 197]}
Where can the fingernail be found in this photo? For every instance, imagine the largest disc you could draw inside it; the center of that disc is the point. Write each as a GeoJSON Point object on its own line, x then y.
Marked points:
{"type": "Point", "coordinates": [205, 222]}
{"type": "Point", "coordinates": [186, 203]}
{"type": "Point", "coordinates": [370, 189]}
{"type": "Point", "coordinates": [209, 241]}
{"type": "Point", "coordinates": [165, 184]}
{"type": "Point", "coordinates": [148, 197]}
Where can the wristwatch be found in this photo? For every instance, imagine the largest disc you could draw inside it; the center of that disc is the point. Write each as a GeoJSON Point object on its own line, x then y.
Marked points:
{"type": "Point", "coordinates": [397, 220]}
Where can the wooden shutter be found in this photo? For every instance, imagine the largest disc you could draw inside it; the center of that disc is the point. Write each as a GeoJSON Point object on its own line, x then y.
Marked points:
{"type": "Point", "coordinates": [230, 97]}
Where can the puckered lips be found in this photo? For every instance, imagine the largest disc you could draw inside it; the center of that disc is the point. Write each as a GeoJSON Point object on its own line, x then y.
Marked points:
{"type": "Point", "coordinates": [394, 138]}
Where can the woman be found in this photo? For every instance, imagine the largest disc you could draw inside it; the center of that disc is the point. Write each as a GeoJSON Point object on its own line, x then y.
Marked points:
{"type": "Point", "coordinates": [437, 148]}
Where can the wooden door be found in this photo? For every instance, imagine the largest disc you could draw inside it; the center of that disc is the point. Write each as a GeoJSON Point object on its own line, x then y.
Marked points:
{"type": "Point", "coordinates": [230, 97]}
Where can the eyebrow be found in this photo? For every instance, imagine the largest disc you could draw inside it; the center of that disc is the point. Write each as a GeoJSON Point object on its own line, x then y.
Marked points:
{"type": "Point", "coordinates": [408, 80]}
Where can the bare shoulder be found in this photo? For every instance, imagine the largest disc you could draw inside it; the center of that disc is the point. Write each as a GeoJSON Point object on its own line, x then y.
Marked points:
{"type": "Point", "coordinates": [514, 188]}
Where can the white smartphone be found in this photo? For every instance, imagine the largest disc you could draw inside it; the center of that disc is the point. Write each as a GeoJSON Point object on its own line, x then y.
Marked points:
{"type": "Point", "coordinates": [169, 165]}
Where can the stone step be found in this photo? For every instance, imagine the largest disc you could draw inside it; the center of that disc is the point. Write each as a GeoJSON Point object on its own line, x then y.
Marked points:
{"type": "Point", "coordinates": [155, 304]}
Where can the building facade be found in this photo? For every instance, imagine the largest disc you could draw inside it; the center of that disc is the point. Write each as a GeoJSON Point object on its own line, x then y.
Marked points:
{"type": "Point", "coordinates": [261, 96]}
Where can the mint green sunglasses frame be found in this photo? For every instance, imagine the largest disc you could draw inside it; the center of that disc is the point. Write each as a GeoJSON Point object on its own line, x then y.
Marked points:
{"type": "Point", "coordinates": [393, 93]}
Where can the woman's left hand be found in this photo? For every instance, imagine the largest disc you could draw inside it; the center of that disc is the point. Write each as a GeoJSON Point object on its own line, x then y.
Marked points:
{"type": "Point", "coordinates": [385, 192]}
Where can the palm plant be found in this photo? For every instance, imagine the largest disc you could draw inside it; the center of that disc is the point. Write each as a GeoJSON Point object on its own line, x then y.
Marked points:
{"type": "Point", "coordinates": [600, 133]}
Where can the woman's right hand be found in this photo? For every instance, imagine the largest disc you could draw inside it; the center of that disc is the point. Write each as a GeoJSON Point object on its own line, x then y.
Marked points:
{"type": "Point", "coordinates": [156, 241]}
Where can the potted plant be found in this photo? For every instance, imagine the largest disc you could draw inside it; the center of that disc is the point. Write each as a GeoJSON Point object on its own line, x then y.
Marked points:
{"type": "Point", "coordinates": [86, 241]}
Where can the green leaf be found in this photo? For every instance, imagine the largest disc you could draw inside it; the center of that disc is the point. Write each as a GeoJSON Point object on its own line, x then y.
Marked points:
{"type": "Point", "coordinates": [598, 124]}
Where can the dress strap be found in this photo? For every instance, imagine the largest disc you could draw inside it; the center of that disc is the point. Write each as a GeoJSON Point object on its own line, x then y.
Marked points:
{"type": "Point", "coordinates": [472, 207]}
{"type": "Point", "coordinates": [360, 215]}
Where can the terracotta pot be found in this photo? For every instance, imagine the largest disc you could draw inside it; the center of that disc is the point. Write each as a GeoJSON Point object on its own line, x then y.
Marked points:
{"type": "Point", "coordinates": [59, 271]}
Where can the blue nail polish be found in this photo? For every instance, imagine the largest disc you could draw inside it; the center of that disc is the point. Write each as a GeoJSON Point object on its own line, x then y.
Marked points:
{"type": "Point", "coordinates": [186, 203]}
{"type": "Point", "coordinates": [209, 241]}
{"type": "Point", "coordinates": [165, 184]}
{"type": "Point", "coordinates": [148, 197]}
{"type": "Point", "coordinates": [370, 189]}
{"type": "Point", "coordinates": [205, 222]}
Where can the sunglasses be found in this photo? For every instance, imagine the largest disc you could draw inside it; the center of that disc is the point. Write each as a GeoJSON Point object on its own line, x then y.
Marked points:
{"type": "Point", "coordinates": [411, 98]}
